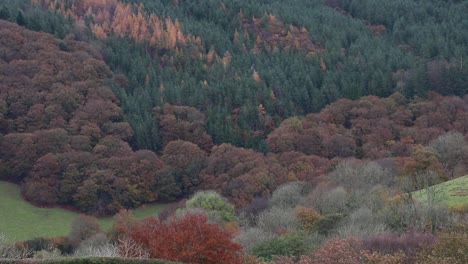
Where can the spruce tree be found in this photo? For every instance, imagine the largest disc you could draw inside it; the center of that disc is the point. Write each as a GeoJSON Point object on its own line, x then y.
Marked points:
{"type": "Point", "coordinates": [20, 20]}
{"type": "Point", "coordinates": [4, 13]}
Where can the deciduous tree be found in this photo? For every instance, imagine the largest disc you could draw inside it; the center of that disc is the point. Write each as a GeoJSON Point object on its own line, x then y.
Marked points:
{"type": "Point", "coordinates": [451, 149]}
{"type": "Point", "coordinates": [212, 201]}
{"type": "Point", "coordinates": [190, 239]}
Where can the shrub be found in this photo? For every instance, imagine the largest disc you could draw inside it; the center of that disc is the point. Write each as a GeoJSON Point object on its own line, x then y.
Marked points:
{"type": "Point", "coordinates": [129, 248]}
{"type": "Point", "coordinates": [107, 250]}
{"type": "Point", "coordinates": [62, 243]}
{"type": "Point", "coordinates": [252, 237]}
{"type": "Point", "coordinates": [212, 216]}
{"type": "Point", "coordinates": [190, 238]}
{"type": "Point", "coordinates": [303, 259]}
{"type": "Point", "coordinates": [328, 201]}
{"type": "Point", "coordinates": [338, 251]}
{"type": "Point", "coordinates": [451, 149]}
{"type": "Point", "coordinates": [327, 224]}
{"type": "Point", "coordinates": [307, 217]}
{"type": "Point", "coordinates": [10, 251]}
{"type": "Point", "coordinates": [288, 195]}
{"type": "Point", "coordinates": [169, 211]}
{"type": "Point", "coordinates": [47, 254]}
{"type": "Point", "coordinates": [96, 246]}
{"type": "Point", "coordinates": [400, 216]}
{"type": "Point", "coordinates": [277, 220]}
{"type": "Point", "coordinates": [83, 227]}
{"type": "Point", "coordinates": [101, 260]}
{"type": "Point", "coordinates": [361, 222]}
{"type": "Point", "coordinates": [460, 208]}
{"type": "Point", "coordinates": [213, 202]}
{"type": "Point", "coordinates": [409, 243]}
{"type": "Point", "coordinates": [451, 246]}
{"type": "Point", "coordinates": [123, 220]}
{"type": "Point", "coordinates": [381, 258]}
{"type": "Point", "coordinates": [437, 216]}
{"type": "Point", "coordinates": [286, 245]}
{"type": "Point", "coordinates": [38, 244]}
{"type": "Point", "coordinates": [99, 239]}
{"type": "Point", "coordinates": [232, 227]}
{"type": "Point", "coordinates": [357, 175]}
{"type": "Point", "coordinates": [249, 259]}
{"type": "Point", "coordinates": [256, 206]}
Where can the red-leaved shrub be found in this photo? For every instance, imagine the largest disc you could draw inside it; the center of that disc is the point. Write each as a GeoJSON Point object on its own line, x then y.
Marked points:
{"type": "Point", "coordinates": [338, 251]}
{"type": "Point", "coordinates": [188, 239]}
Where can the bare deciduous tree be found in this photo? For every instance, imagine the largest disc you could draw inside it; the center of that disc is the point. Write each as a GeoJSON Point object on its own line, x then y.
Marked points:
{"type": "Point", "coordinates": [357, 175]}
{"type": "Point", "coordinates": [451, 149]}
{"type": "Point", "coordinates": [97, 246]}
{"type": "Point", "coordinates": [10, 251]}
{"type": "Point", "coordinates": [129, 248]}
{"type": "Point", "coordinates": [277, 220]}
{"type": "Point", "coordinates": [250, 237]}
{"type": "Point", "coordinates": [288, 195]}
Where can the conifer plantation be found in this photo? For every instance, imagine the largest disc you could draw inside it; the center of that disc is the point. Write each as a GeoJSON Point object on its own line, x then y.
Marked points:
{"type": "Point", "coordinates": [301, 131]}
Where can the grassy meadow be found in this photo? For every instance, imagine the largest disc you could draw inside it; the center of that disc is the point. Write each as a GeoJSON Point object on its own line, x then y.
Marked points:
{"type": "Point", "coordinates": [453, 193]}
{"type": "Point", "coordinates": [20, 220]}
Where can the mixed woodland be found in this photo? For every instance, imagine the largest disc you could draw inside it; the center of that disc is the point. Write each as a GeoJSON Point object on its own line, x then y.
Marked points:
{"type": "Point", "coordinates": [285, 131]}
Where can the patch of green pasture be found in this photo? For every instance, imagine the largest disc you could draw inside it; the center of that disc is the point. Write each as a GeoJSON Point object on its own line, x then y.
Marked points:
{"type": "Point", "coordinates": [452, 193]}
{"type": "Point", "coordinates": [148, 210]}
{"type": "Point", "coordinates": [20, 220]}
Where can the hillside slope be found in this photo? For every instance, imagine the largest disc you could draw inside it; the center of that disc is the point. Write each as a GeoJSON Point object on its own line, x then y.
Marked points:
{"type": "Point", "coordinates": [63, 135]}
{"type": "Point", "coordinates": [248, 65]}
{"type": "Point", "coordinates": [453, 193]}
{"type": "Point", "coordinates": [22, 220]}
{"type": "Point", "coordinates": [85, 113]}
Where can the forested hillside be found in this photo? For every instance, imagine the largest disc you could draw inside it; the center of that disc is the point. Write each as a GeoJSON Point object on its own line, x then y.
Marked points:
{"type": "Point", "coordinates": [316, 125]}
{"type": "Point", "coordinates": [248, 65]}
{"type": "Point", "coordinates": [207, 78]}
{"type": "Point", "coordinates": [63, 136]}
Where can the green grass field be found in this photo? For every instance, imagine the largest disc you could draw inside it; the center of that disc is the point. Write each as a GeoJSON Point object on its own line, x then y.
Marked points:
{"type": "Point", "coordinates": [19, 220]}
{"type": "Point", "coordinates": [453, 193]}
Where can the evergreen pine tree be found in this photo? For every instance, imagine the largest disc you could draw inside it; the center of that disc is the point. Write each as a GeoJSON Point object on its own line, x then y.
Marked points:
{"type": "Point", "coordinates": [4, 13]}
{"type": "Point", "coordinates": [20, 20]}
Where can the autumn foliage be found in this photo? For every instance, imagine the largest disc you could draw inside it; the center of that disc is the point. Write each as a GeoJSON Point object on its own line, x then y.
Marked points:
{"type": "Point", "coordinates": [63, 136]}
{"type": "Point", "coordinates": [273, 33]}
{"type": "Point", "coordinates": [135, 102]}
{"type": "Point", "coordinates": [189, 239]}
{"type": "Point", "coordinates": [241, 174]}
{"type": "Point", "coordinates": [338, 251]}
{"type": "Point", "coordinates": [183, 123]}
{"type": "Point", "coordinates": [65, 140]}
{"type": "Point", "coordinates": [307, 217]}
{"type": "Point", "coordinates": [371, 127]}
{"type": "Point", "coordinates": [114, 17]}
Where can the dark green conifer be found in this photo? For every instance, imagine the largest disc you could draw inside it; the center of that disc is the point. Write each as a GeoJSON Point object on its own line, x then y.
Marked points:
{"type": "Point", "coordinates": [20, 20]}
{"type": "Point", "coordinates": [4, 13]}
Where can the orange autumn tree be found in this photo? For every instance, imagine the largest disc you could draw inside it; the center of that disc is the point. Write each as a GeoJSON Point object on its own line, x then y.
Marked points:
{"type": "Point", "coordinates": [188, 239]}
{"type": "Point", "coordinates": [115, 17]}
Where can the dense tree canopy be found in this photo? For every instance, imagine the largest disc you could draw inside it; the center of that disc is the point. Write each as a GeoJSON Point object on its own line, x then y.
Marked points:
{"type": "Point", "coordinates": [62, 127]}
{"type": "Point", "coordinates": [248, 65]}
{"type": "Point", "coordinates": [300, 131]}
{"type": "Point", "coordinates": [235, 96]}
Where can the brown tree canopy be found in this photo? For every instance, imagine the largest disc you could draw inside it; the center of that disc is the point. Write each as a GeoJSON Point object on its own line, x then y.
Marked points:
{"type": "Point", "coordinates": [63, 137]}
{"type": "Point", "coordinates": [62, 131]}
{"type": "Point", "coordinates": [183, 123]}
{"type": "Point", "coordinates": [371, 127]}
{"type": "Point", "coordinates": [241, 174]}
